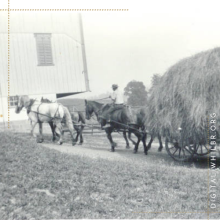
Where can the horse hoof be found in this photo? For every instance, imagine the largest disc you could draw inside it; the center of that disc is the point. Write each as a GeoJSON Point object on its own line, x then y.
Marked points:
{"type": "Point", "coordinates": [160, 149]}
{"type": "Point", "coordinates": [127, 147]}
{"type": "Point", "coordinates": [60, 142]}
{"type": "Point", "coordinates": [80, 143]}
{"type": "Point", "coordinates": [112, 150]}
{"type": "Point", "coordinates": [145, 153]}
{"type": "Point", "coordinates": [135, 151]}
{"type": "Point", "coordinates": [73, 143]}
{"type": "Point", "coordinates": [40, 140]}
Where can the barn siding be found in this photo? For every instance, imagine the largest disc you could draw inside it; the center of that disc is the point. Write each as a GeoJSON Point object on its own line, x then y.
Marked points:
{"type": "Point", "coordinates": [3, 55]}
{"type": "Point", "coordinates": [26, 77]}
{"type": "Point", "coordinates": [3, 64]}
{"type": "Point", "coordinates": [66, 76]}
{"type": "Point", "coordinates": [46, 22]}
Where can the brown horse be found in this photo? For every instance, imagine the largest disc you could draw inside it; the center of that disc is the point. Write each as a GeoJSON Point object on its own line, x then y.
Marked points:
{"type": "Point", "coordinates": [141, 114]}
{"type": "Point", "coordinates": [120, 121]}
{"type": "Point", "coordinates": [93, 107]}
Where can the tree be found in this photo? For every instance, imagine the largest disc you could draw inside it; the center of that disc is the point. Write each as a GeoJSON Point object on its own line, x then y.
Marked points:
{"type": "Point", "coordinates": [136, 93]}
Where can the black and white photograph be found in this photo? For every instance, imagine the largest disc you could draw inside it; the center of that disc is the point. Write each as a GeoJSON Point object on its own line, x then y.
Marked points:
{"type": "Point", "coordinates": [111, 111]}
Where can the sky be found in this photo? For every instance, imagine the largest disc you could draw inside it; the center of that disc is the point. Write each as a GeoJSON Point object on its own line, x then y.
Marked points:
{"type": "Point", "coordinates": [126, 46]}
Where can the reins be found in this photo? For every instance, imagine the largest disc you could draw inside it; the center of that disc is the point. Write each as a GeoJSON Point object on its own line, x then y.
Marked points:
{"type": "Point", "coordinates": [92, 116]}
{"type": "Point", "coordinates": [127, 126]}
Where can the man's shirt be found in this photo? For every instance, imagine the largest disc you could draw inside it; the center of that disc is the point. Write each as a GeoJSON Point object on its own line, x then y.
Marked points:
{"type": "Point", "coordinates": [118, 96]}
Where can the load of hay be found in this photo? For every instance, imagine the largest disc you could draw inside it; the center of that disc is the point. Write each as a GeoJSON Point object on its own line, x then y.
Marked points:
{"type": "Point", "coordinates": [186, 95]}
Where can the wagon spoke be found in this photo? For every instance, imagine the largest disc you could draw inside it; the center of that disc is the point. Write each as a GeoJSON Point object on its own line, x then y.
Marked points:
{"type": "Point", "coordinates": [197, 148]}
{"type": "Point", "coordinates": [184, 152]}
{"type": "Point", "coordinates": [188, 151]}
{"type": "Point", "coordinates": [179, 152]}
{"type": "Point", "coordinates": [175, 151]}
{"type": "Point", "coordinates": [201, 149]}
{"type": "Point", "coordinates": [206, 148]}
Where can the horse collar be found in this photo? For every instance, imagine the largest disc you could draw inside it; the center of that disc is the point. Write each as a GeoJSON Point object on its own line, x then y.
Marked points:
{"type": "Point", "coordinates": [38, 119]}
{"type": "Point", "coordinates": [30, 105]}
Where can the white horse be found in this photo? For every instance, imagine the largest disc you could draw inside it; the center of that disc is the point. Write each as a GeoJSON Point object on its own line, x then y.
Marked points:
{"type": "Point", "coordinates": [39, 112]}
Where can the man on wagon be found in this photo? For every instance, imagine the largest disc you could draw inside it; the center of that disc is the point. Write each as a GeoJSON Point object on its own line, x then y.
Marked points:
{"type": "Point", "coordinates": [118, 102]}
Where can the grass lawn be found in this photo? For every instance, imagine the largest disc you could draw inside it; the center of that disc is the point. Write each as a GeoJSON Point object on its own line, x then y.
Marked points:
{"type": "Point", "coordinates": [40, 183]}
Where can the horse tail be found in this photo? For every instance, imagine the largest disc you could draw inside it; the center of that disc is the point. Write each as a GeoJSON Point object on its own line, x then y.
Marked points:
{"type": "Point", "coordinates": [68, 118]}
{"type": "Point", "coordinates": [81, 117]}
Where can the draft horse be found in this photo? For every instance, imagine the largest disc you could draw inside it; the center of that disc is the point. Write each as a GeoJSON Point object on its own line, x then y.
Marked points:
{"type": "Point", "coordinates": [95, 108]}
{"type": "Point", "coordinates": [141, 116]}
{"type": "Point", "coordinates": [120, 121]}
{"type": "Point", "coordinates": [76, 116]}
{"type": "Point", "coordinates": [46, 112]}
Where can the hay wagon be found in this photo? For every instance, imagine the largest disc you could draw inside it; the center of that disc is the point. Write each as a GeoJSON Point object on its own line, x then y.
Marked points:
{"type": "Point", "coordinates": [181, 101]}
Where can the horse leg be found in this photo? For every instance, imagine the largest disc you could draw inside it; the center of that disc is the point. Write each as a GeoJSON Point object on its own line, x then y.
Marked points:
{"type": "Point", "coordinates": [41, 131]}
{"type": "Point", "coordinates": [139, 136]}
{"type": "Point", "coordinates": [77, 132]}
{"type": "Point", "coordinates": [109, 136]}
{"type": "Point", "coordinates": [53, 131]}
{"type": "Point", "coordinates": [81, 137]}
{"type": "Point", "coordinates": [126, 139]}
{"type": "Point", "coordinates": [129, 137]}
{"type": "Point", "coordinates": [161, 144]}
{"type": "Point", "coordinates": [58, 130]}
{"type": "Point", "coordinates": [144, 138]}
{"type": "Point", "coordinates": [151, 140]}
{"type": "Point", "coordinates": [32, 129]}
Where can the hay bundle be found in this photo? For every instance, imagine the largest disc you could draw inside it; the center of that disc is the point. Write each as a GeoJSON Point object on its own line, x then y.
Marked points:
{"type": "Point", "coordinates": [185, 96]}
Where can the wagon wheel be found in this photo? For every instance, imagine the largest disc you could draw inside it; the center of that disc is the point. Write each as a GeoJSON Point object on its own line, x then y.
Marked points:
{"type": "Point", "coordinates": [201, 149]}
{"type": "Point", "coordinates": [179, 152]}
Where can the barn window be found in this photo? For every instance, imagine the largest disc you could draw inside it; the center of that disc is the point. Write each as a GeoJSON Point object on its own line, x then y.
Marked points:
{"type": "Point", "coordinates": [13, 101]}
{"type": "Point", "coordinates": [44, 50]}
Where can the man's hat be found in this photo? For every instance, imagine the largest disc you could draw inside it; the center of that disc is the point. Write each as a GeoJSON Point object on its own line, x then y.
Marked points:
{"type": "Point", "coordinates": [114, 86]}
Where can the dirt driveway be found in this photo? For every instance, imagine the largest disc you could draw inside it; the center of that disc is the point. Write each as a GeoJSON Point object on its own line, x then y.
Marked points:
{"type": "Point", "coordinates": [97, 147]}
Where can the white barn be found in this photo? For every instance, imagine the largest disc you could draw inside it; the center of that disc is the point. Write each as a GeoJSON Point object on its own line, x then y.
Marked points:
{"type": "Point", "coordinates": [47, 58]}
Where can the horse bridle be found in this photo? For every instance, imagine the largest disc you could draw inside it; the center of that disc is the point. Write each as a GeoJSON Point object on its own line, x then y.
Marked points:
{"type": "Point", "coordinates": [94, 114]}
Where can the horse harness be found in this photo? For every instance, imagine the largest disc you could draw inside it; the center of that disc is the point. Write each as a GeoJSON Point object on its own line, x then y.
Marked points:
{"type": "Point", "coordinates": [38, 113]}
{"type": "Point", "coordinates": [29, 106]}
